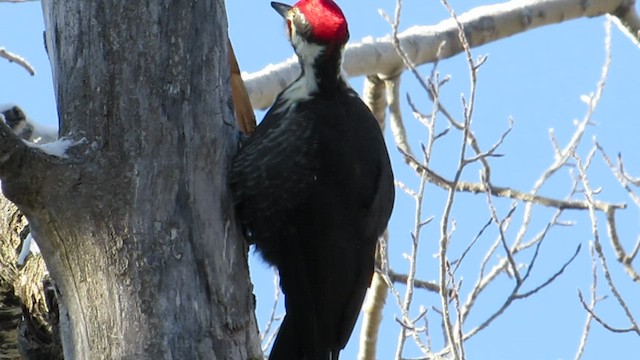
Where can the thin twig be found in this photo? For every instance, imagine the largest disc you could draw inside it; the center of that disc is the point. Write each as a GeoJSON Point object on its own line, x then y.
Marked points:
{"type": "Point", "coordinates": [589, 194]}
{"type": "Point", "coordinates": [506, 192]}
{"type": "Point", "coordinates": [267, 336]}
{"type": "Point", "coordinates": [592, 304]}
{"type": "Point", "coordinates": [419, 284]}
{"type": "Point", "coordinates": [516, 295]}
{"type": "Point", "coordinates": [455, 346]}
{"type": "Point", "coordinates": [626, 182]}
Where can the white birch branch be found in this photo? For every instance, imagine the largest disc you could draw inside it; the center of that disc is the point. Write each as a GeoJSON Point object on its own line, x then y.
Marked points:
{"type": "Point", "coordinates": [482, 25]}
{"type": "Point", "coordinates": [15, 58]}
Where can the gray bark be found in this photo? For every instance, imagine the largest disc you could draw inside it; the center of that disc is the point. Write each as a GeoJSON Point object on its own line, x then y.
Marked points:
{"type": "Point", "coordinates": [27, 320]}
{"type": "Point", "coordinates": [136, 224]}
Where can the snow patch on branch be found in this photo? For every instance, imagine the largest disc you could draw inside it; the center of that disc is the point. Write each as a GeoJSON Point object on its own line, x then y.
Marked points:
{"type": "Point", "coordinates": [43, 134]}
{"type": "Point", "coordinates": [57, 148]}
{"type": "Point", "coordinates": [29, 246]}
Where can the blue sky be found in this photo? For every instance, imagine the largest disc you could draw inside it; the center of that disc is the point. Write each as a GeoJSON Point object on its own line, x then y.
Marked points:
{"type": "Point", "coordinates": [536, 78]}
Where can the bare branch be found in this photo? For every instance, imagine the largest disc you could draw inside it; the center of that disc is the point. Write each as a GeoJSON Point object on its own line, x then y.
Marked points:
{"type": "Point", "coordinates": [516, 295]}
{"type": "Point", "coordinates": [505, 192]}
{"type": "Point", "coordinates": [267, 336]}
{"type": "Point", "coordinates": [15, 58]}
{"type": "Point", "coordinates": [588, 192]}
{"type": "Point", "coordinates": [628, 21]}
{"type": "Point", "coordinates": [410, 284]}
{"type": "Point", "coordinates": [626, 181]}
{"type": "Point", "coordinates": [374, 97]}
{"type": "Point", "coordinates": [397, 126]}
{"type": "Point", "coordinates": [395, 115]}
{"type": "Point", "coordinates": [482, 155]}
{"type": "Point", "coordinates": [550, 279]}
{"type": "Point", "coordinates": [600, 320]}
{"type": "Point", "coordinates": [484, 280]}
{"type": "Point", "coordinates": [621, 255]}
{"type": "Point", "coordinates": [372, 309]}
{"type": "Point", "coordinates": [483, 25]}
{"type": "Point", "coordinates": [459, 261]}
{"type": "Point", "coordinates": [450, 309]}
{"type": "Point", "coordinates": [455, 345]}
{"type": "Point", "coordinates": [592, 304]}
{"type": "Point", "coordinates": [373, 94]}
{"type": "Point", "coordinates": [420, 284]}
{"type": "Point", "coordinates": [623, 178]}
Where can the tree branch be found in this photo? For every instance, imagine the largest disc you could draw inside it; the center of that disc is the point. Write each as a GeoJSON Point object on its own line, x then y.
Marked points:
{"type": "Point", "coordinates": [589, 194]}
{"type": "Point", "coordinates": [374, 98]}
{"type": "Point", "coordinates": [625, 181]}
{"type": "Point", "coordinates": [482, 25]}
{"type": "Point", "coordinates": [506, 192]}
{"type": "Point", "coordinates": [592, 304]}
{"type": "Point", "coordinates": [417, 283]}
{"type": "Point", "coordinates": [24, 165]}
{"type": "Point", "coordinates": [627, 19]}
{"type": "Point", "coordinates": [15, 58]}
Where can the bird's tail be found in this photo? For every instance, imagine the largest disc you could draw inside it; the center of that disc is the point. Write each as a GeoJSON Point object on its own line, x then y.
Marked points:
{"type": "Point", "coordinates": [293, 343]}
{"type": "Point", "coordinates": [287, 346]}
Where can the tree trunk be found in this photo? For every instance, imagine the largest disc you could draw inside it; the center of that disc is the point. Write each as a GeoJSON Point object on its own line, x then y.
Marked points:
{"type": "Point", "coordinates": [135, 223]}
{"type": "Point", "coordinates": [28, 326]}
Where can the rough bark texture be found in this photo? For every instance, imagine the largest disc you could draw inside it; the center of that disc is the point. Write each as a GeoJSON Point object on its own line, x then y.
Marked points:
{"type": "Point", "coordinates": [11, 225]}
{"type": "Point", "coordinates": [28, 328]}
{"type": "Point", "coordinates": [136, 225]}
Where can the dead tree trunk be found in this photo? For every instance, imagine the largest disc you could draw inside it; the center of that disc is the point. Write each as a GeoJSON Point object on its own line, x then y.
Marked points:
{"type": "Point", "coordinates": [135, 223]}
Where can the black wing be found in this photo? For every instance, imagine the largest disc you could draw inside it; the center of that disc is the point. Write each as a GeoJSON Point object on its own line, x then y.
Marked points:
{"type": "Point", "coordinates": [270, 175]}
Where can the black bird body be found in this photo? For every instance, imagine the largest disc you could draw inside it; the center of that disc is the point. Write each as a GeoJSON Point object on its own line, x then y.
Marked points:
{"type": "Point", "coordinates": [314, 190]}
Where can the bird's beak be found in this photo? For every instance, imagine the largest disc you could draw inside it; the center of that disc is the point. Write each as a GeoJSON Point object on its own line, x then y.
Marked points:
{"type": "Point", "coordinates": [281, 8]}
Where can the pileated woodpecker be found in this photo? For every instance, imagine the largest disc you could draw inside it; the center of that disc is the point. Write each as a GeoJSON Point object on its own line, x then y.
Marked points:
{"type": "Point", "coordinates": [314, 189]}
